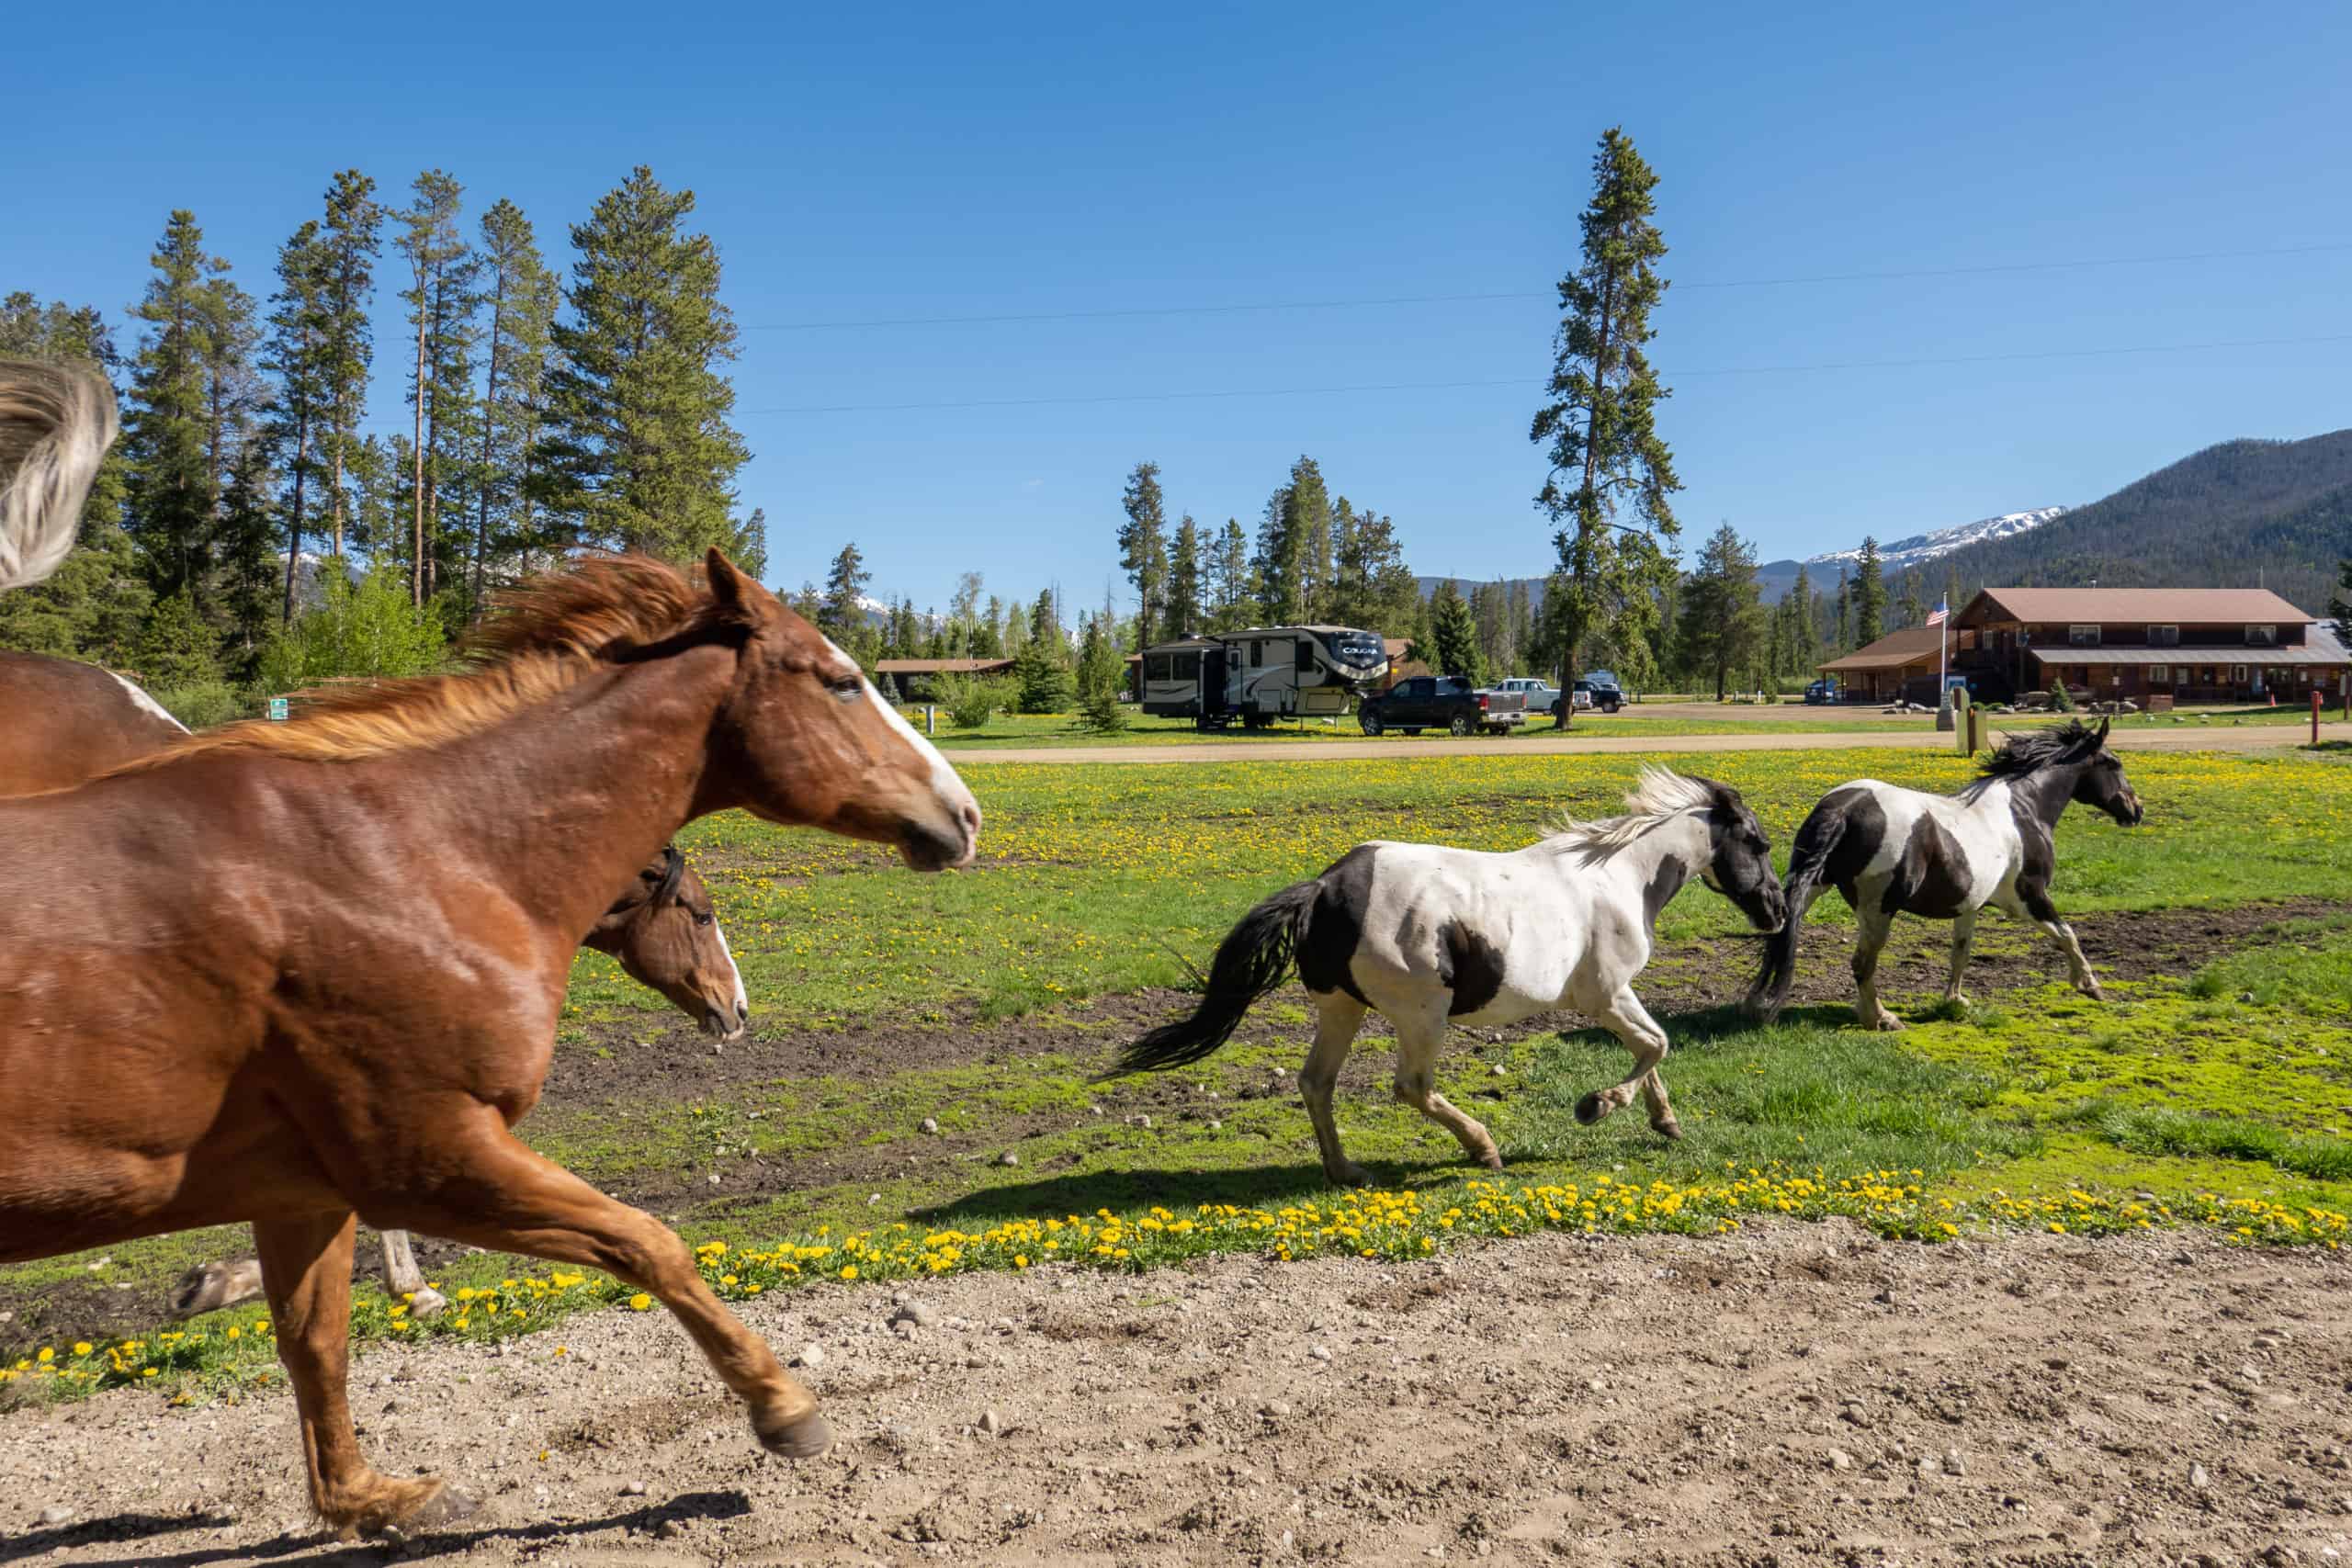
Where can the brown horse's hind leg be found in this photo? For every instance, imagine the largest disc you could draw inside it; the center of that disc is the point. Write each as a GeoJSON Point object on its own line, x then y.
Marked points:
{"type": "Point", "coordinates": [306, 1270]}
{"type": "Point", "coordinates": [514, 1199]}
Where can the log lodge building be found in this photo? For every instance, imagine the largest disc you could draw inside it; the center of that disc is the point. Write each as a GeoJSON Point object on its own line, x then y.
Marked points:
{"type": "Point", "coordinates": [2151, 647]}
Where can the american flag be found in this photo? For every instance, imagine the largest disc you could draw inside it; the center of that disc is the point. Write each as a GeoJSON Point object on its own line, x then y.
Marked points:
{"type": "Point", "coordinates": [1936, 616]}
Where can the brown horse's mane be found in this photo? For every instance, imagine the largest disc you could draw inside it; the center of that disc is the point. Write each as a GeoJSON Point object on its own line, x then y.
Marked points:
{"type": "Point", "coordinates": [539, 638]}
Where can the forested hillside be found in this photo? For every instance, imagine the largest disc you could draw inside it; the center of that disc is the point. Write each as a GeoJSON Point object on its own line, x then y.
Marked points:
{"type": "Point", "coordinates": [2244, 513]}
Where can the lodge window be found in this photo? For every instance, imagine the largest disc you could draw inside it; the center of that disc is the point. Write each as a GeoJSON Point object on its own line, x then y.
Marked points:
{"type": "Point", "coordinates": [2158, 674]}
{"type": "Point", "coordinates": [2262, 636]}
{"type": "Point", "coordinates": [2164, 636]}
{"type": "Point", "coordinates": [2237, 675]}
{"type": "Point", "coordinates": [2082, 636]}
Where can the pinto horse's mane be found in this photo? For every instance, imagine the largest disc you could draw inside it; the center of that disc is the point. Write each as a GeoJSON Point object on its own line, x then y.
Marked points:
{"type": "Point", "coordinates": [539, 639]}
{"type": "Point", "coordinates": [2072, 741]}
{"type": "Point", "coordinates": [1658, 796]}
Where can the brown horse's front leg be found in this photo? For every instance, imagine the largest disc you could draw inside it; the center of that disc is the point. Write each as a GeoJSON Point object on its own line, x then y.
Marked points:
{"type": "Point", "coordinates": [503, 1195]}
{"type": "Point", "coordinates": [306, 1272]}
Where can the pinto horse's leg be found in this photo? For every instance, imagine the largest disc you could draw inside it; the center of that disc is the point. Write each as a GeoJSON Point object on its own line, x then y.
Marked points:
{"type": "Point", "coordinates": [403, 1278]}
{"type": "Point", "coordinates": [1623, 1016]}
{"type": "Point", "coordinates": [2043, 913]}
{"type": "Point", "coordinates": [1963, 931]}
{"type": "Point", "coordinates": [1338, 1016]}
{"type": "Point", "coordinates": [1871, 929]}
{"type": "Point", "coordinates": [306, 1270]}
{"type": "Point", "coordinates": [1419, 1037]}
{"type": "Point", "coordinates": [209, 1287]}
{"type": "Point", "coordinates": [500, 1194]}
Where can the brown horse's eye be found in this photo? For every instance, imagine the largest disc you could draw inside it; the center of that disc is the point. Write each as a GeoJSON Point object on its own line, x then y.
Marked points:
{"type": "Point", "coordinates": [704, 918]}
{"type": "Point", "coordinates": [847, 688]}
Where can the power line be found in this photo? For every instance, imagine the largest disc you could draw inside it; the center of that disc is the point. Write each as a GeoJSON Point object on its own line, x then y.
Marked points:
{"type": "Point", "coordinates": [1989, 269]}
{"type": "Point", "coordinates": [1667, 374]}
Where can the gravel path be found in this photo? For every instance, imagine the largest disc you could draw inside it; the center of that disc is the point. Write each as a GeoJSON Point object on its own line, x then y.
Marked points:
{"type": "Point", "coordinates": [1786, 1395]}
{"type": "Point", "coordinates": [2162, 738]}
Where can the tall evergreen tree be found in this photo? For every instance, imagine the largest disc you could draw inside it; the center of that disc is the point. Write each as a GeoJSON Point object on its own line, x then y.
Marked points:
{"type": "Point", "coordinates": [248, 537]}
{"type": "Point", "coordinates": [1843, 642]}
{"type": "Point", "coordinates": [1600, 428]}
{"type": "Point", "coordinates": [1722, 625]}
{"type": "Point", "coordinates": [352, 239]}
{"type": "Point", "coordinates": [1869, 596]}
{"type": "Point", "coordinates": [1185, 581]}
{"type": "Point", "coordinates": [1229, 573]}
{"type": "Point", "coordinates": [1143, 546]}
{"type": "Point", "coordinates": [520, 294]}
{"type": "Point", "coordinates": [1295, 547]}
{"type": "Point", "coordinates": [843, 617]}
{"type": "Point", "coordinates": [636, 450]}
{"type": "Point", "coordinates": [92, 607]}
{"type": "Point", "coordinates": [1912, 607]}
{"type": "Point", "coordinates": [302, 409]}
{"type": "Point", "coordinates": [1454, 632]}
{"type": "Point", "coordinates": [2339, 603]}
{"type": "Point", "coordinates": [439, 278]}
{"type": "Point", "coordinates": [171, 485]}
{"type": "Point", "coordinates": [1804, 648]}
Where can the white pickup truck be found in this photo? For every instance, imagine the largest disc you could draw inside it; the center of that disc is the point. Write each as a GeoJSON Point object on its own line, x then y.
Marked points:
{"type": "Point", "coordinates": [1540, 695]}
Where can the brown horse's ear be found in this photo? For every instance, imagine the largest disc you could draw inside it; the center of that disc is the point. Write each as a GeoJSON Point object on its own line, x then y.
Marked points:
{"type": "Point", "coordinates": [729, 586]}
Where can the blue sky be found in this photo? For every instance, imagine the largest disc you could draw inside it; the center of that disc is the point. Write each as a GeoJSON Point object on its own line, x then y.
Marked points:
{"type": "Point", "coordinates": [889, 163]}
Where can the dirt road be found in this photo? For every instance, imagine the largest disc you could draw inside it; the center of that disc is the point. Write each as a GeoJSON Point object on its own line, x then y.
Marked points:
{"type": "Point", "coordinates": [1783, 1396]}
{"type": "Point", "coordinates": [2166, 738]}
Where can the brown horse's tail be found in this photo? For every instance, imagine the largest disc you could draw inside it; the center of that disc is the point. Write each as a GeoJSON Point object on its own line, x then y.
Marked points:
{"type": "Point", "coordinates": [56, 422]}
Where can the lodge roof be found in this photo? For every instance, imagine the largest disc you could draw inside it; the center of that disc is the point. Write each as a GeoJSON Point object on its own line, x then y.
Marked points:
{"type": "Point", "coordinates": [1892, 651]}
{"type": "Point", "coordinates": [2164, 606]}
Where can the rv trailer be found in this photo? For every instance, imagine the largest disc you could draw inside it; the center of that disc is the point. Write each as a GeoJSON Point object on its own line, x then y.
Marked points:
{"type": "Point", "coordinates": [1262, 674]}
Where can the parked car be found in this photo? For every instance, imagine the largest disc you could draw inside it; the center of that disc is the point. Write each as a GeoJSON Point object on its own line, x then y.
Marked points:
{"type": "Point", "coordinates": [1598, 689]}
{"type": "Point", "coordinates": [1540, 695]}
{"type": "Point", "coordinates": [1822, 691]}
{"type": "Point", "coordinates": [1440, 702]}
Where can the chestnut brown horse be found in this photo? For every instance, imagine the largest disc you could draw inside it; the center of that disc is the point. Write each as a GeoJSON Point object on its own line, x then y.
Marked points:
{"type": "Point", "coordinates": [226, 982]}
{"type": "Point", "coordinates": [665, 933]}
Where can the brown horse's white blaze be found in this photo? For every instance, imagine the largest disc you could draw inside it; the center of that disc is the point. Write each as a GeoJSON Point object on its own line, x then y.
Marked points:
{"type": "Point", "coordinates": [298, 974]}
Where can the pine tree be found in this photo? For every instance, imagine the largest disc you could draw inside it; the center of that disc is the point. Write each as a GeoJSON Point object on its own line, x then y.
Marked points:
{"type": "Point", "coordinates": [248, 550]}
{"type": "Point", "coordinates": [1600, 428]}
{"type": "Point", "coordinates": [1229, 572]}
{"type": "Point", "coordinates": [843, 616]}
{"type": "Point", "coordinates": [1913, 607]}
{"type": "Point", "coordinates": [1804, 649]}
{"type": "Point", "coordinates": [1869, 596]}
{"type": "Point", "coordinates": [302, 406]}
{"type": "Point", "coordinates": [520, 294]}
{"type": "Point", "coordinates": [636, 450]}
{"type": "Point", "coordinates": [92, 607]}
{"type": "Point", "coordinates": [1185, 581]}
{"type": "Point", "coordinates": [176, 645]}
{"type": "Point", "coordinates": [1295, 547]}
{"type": "Point", "coordinates": [2339, 603]}
{"type": "Point", "coordinates": [352, 240]}
{"type": "Point", "coordinates": [1101, 676]}
{"type": "Point", "coordinates": [1844, 640]}
{"type": "Point", "coordinates": [171, 487]}
{"type": "Point", "coordinates": [1721, 623]}
{"type": "Point", "coordinates": [1041, 668]}
{"type": "Point", "coordinates": [441, 297]}
{"type": "Point", "coordinates": [1454, 632]}
{"type": "Point", "coordinates": [1143, 545]}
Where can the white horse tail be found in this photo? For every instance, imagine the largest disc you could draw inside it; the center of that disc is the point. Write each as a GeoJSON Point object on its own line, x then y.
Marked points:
{"type": "Point", "coordinates": [56, 422]}
{"type": "Point", "coordinates": [1808, 864]}
{"type": "Point", "coordinates": [1255, 957]}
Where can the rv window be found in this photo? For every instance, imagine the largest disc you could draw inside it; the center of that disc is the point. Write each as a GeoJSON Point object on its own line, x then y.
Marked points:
{"type": "Point", "coordinates": [1188, 666]}
{"type": "Point", "coordinates": [1303, 655]}
{"type": "Point", "coordinates": [1156, 668]}
{"type": "Point", "coordinates": [1257, 654]}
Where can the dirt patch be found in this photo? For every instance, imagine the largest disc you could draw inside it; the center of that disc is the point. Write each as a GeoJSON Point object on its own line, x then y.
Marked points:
{"type": "Point", "coordinates": [1789, 1394]}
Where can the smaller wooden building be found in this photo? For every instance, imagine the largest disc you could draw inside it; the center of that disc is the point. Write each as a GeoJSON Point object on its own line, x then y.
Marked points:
{"type": "Point", "coordinates": [896, 677]}
{"type": "Point", "coordinates": [1900, 665]}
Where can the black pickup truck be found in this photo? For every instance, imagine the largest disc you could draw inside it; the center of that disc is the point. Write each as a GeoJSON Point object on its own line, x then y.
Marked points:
{"type": "Point", "coordinates": [1440, 702]}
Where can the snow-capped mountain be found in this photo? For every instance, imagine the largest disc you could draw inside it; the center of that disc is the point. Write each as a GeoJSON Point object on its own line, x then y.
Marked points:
{"type": "Point", "coordinates": [1943, 541]}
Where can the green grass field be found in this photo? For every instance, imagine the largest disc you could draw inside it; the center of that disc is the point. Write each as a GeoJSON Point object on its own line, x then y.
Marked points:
{"type": "Point", "coordinates": [2219, 1090]}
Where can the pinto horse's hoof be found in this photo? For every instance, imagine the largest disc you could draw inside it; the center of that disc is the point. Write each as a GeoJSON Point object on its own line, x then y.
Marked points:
{"type": "Point", "coordinates": [805, 1438]}
{"type": "Point", "coordinates": [1589, 1108]}
{"type": "Point", "coordinates": [211, 1286]}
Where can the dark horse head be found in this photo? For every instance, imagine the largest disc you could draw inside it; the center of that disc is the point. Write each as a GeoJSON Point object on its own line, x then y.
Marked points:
{"type": "Point", "coordinates": [1739, 865]}
{"type": "Point", "coordinates": [2073, 753]}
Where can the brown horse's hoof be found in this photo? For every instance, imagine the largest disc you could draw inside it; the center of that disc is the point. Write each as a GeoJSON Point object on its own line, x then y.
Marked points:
{"type": "Point", "coordinates": [1669, 1129]}
{"type": "Point", "coordinates": [404, 1508]}
{"type": "Point", "coordinates": [805, 1438]}
{"type": "Point", "coordinates": [1492, 1159]}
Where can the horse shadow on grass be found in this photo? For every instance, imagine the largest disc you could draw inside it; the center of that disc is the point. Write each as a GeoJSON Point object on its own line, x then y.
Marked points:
{"type": "Point", "coordinates": [1083, 1192]}
{"type": "Point", "coordinates": [455, 1540]}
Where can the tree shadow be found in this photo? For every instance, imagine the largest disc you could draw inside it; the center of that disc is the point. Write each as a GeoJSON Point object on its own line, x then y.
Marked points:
{"type": "Point", "coordinates": [1083, 1192]}
{"type": "Point", "coordinates": [455, 1540]}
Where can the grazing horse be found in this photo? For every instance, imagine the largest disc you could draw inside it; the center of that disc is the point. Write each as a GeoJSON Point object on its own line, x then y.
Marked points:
{"type": "Point", "coordinates": [1427, 935]}
{"type": "Point", "coordinates": [303, 972]}
{"type": "Point", "coordinates": [1890, 851]}
{"type": "Point", "coordinates": [665, 933]}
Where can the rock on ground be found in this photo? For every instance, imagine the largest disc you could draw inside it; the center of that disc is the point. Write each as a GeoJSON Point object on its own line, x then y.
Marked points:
{"type": "Point", "coordinates": [1648, 1400]}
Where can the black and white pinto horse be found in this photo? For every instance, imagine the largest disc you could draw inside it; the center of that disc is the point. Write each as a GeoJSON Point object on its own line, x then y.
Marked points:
{"type": "Point", "coordinates": [1892, 851]}
{"type": "Point", "coordinates": [1428, 935]}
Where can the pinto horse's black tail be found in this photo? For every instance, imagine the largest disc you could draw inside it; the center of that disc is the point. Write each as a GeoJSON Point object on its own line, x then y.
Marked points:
{"type": "Point", "coordinates": [1254, 958]}
{"type": "Point", "coordinates": [1808, 862]}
